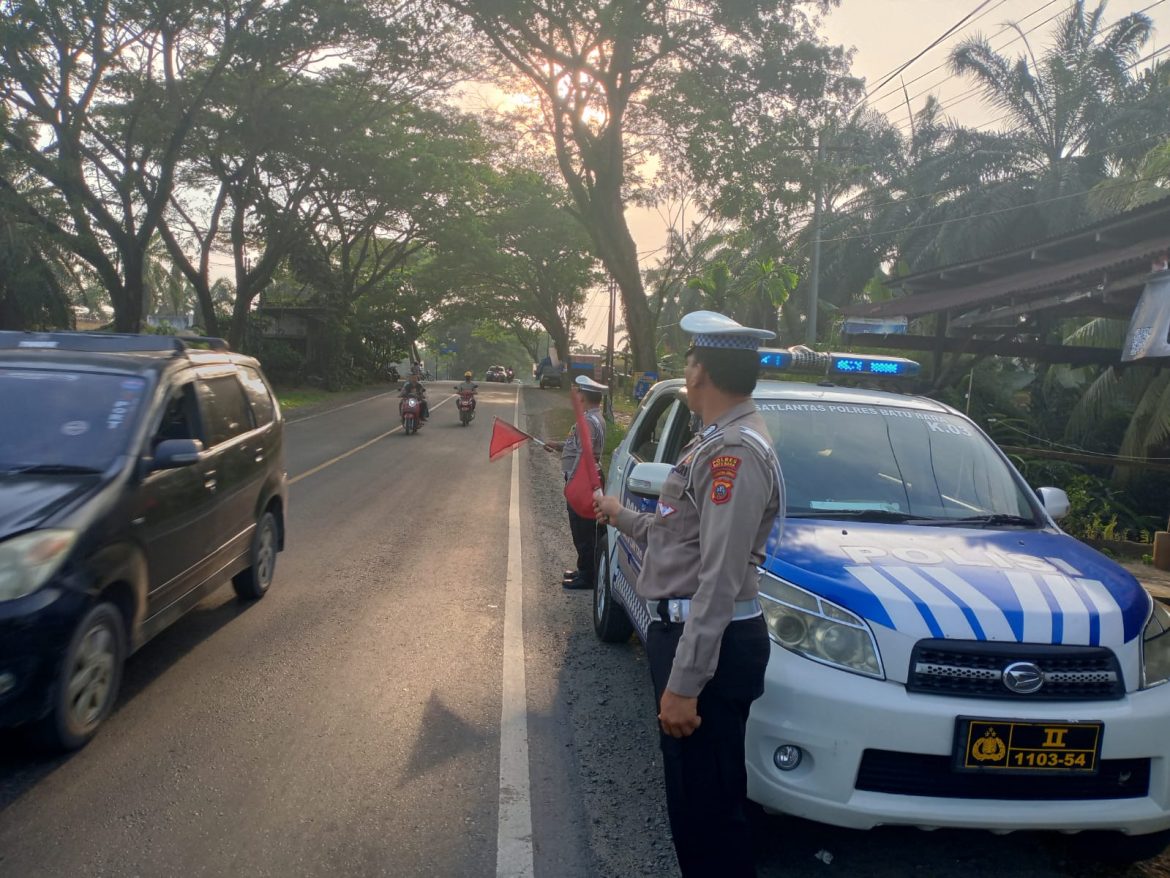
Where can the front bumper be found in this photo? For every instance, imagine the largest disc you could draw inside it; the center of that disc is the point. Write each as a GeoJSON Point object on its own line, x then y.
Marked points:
{"type": "Point", "coordinates": [835, 717]}
{"type": "Point", "coordinates": [34, 632]}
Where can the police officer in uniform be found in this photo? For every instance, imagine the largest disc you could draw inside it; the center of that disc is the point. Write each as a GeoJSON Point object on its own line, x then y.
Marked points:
{"type": "Point", "coordinates": [709, 647]}
{"type": "Point", "coordinates": [584, 530]}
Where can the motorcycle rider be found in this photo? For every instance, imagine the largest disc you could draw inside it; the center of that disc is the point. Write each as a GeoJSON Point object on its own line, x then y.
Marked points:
{"type": "Point", "coordinates": [467, 386]}
{"type": "Point", "coordinates": [414, 388]}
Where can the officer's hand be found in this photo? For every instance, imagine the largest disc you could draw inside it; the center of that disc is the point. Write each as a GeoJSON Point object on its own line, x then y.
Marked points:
{"type": "Point", "coordinates": [678, 716]}
{"type": "Point", "coordinates": [606, 508]}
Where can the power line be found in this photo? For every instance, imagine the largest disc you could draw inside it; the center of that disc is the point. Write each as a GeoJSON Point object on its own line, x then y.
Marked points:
{"type": "Point", "coordinates": [936, 68]}
{"type": "Point", "coordinates": [1087, 453]}
{"type": "Point", "coordinates": [1117, 185]}
{"type": "Point", "coordinates": [960, 23]}
{"type": "Point", "coordinates": [964, 96]}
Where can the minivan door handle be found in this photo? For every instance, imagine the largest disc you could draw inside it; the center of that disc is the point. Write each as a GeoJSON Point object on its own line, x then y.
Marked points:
{"type": "Point", "coordinates": [209, 481]}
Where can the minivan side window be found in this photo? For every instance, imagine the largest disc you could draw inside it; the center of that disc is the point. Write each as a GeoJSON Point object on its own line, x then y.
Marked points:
{"type": "Point", "coordinates": [180, 418]}
{"type": "Point", "coordinates": [653, 430]}
{"type": "Point", "coordinates": [258, 395]}
{"type": "Point", "coordinates": [225, 408]}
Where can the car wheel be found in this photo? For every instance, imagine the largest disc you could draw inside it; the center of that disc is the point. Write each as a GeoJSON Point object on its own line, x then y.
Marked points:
{"type": "Point", "coordinates": [252, 584]}
{"type": "Point", "coordinates": [91, 672]}
{"type": "Point", "coordinates": [610, 622]}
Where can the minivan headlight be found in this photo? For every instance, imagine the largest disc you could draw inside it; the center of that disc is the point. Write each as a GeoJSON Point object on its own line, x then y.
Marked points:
{"type": "Point", "coordinates": [810, 626]}
{"type": "Point", "coordinates": [1156, 647]}
{"type": "Point", "coordinates": [27, 561]}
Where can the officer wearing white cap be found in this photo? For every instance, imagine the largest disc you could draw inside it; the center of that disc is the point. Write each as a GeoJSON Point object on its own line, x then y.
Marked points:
{"type": "Point", "coordinates": [584, 530]}
{"type": "Point", "coordinates": [709, 648]}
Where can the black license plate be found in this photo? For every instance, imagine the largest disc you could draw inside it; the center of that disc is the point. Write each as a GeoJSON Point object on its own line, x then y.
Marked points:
{"type": "Point", "coordinates": [1027, 747]}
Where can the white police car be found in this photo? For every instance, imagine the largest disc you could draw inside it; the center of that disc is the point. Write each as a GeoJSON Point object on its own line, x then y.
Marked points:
{"type": "Point", "coordinates": [943, 654]}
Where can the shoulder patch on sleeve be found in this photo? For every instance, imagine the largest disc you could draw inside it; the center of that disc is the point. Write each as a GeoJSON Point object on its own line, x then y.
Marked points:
{"type": "Point", "coordinates": [725, 466]}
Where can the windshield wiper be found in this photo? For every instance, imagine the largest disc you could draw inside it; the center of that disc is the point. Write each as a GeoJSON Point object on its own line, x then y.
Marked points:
{"type": "Point", "coordinates": [859, 515]}
{"type": "Point", "coordinates": [992, 519]}
{"type": "Point", "coordinates": [50, 469]}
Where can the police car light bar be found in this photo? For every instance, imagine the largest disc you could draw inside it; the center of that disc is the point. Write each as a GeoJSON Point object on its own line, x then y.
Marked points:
{"type": "Point", "coordinates": [802, 359]}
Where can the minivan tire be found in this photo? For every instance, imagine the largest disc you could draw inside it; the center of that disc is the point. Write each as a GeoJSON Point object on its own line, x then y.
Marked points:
{"type": "Point", "coordinates": [610, 622]}
{"type": "Point", "coordinates": [87, 682]}
{"type": "Point", "coordinates": [252, 584]}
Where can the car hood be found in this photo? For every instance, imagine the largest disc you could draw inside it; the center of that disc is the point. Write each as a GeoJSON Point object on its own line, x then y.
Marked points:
{"type": "Point", "coordinates": [1026, 586]}
{"type": "Point", "coordinates": [28, 501]}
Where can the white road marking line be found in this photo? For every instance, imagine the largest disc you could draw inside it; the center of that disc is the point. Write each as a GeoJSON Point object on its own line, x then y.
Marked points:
{"type": "Point", "coordinates": [514, 838]}
{"type": "Point", "coordinates": [355, 450]}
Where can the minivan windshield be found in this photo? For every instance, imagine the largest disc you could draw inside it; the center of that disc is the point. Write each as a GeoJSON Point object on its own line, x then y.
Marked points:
{"type": "Point", "coordinates": [65, 422]}
{"type": "Point", "coordinates": [893, 464]}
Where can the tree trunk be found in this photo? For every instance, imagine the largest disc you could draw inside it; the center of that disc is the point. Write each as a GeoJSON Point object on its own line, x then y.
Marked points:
{"type": "Point", "coordinates": [560, 340]}
{"type": "Point", "coordinates": [618, 252]}
{"type": "Point", "coordinates": [241, 308]}
{"type": "Point", "coordinates": [129, 300]}
{"type": "Point", "coordinates": [209, 321]}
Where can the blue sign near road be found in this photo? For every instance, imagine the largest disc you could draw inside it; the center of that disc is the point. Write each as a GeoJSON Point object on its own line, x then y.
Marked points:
{"type": "Point", "coordinates": [643, 382]}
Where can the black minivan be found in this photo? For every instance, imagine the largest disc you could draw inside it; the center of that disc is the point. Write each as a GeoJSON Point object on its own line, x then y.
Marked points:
{"type": "Point", "coordinates": [137, 474]}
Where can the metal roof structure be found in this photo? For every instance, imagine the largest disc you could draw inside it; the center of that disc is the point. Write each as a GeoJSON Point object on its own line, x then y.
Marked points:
{"type": "Point", "coordinates": [990, 305]}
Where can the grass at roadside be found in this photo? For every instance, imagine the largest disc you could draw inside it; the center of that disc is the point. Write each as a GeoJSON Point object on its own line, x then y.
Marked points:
{"type": "Point", "coordinates": [299, 397]}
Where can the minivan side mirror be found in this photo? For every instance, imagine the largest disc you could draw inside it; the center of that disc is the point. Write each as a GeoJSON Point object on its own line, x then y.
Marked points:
{"type": "Point", "coordinates": [174, 453]}
{"type": "Point", "coordinates": [1055, 502]}
{"type": "Point", "coordinates": [646, 479]}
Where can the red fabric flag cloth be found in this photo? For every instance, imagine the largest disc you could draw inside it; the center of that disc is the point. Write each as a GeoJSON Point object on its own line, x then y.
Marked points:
{"type": "Point", "coordinates": [505, 439]}
{"type": "Point", "coordinates": [586, 478]}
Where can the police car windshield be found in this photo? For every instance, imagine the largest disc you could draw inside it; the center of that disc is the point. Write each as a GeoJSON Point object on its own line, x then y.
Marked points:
{"type": "Point", "coordinates": [885, 463]}
{"type": "Point", "coordinates": [58, 422]}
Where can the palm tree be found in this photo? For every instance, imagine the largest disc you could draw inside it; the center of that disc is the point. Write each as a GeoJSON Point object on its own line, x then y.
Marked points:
{"type": "Point", "coordinates": [1063, 106]}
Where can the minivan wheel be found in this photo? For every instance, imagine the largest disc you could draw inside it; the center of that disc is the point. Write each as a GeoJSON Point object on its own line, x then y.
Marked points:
{"type": "Point", "coordinates": [91, 672]}
{"type": "Point", "coordinates": [252, 584]}
{"type": "Point", "coordinates": [610, 622]}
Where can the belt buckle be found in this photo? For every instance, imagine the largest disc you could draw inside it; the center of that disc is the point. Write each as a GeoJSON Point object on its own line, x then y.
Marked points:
{"type": "Point", "coordinates": [674, 610]}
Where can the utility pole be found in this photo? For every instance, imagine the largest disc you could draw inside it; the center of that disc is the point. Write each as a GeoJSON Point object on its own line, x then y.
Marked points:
{"type": "Point", "coordinates": [609, 348]}
{"type": "Point", "coordinates": [814, 269]}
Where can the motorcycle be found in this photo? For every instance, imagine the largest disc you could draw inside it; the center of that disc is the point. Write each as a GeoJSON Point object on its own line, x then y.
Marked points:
{"type": "Point", "coordinates": [392, 373]}
{"type": "Point", "coordinates": [410, 410]}
{"type": "Point", "coordinates": [466, 405]}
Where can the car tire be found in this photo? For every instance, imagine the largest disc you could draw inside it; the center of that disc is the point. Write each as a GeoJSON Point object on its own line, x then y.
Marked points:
{"type": "Point", "coordinates": [610, 622]}
{"type": "Point", "coordinates": [252, 584]}
{"type": "Point", "coordinates": [88, 681]}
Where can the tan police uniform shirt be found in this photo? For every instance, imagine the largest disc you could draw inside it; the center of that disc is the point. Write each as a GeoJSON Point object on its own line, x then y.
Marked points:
{"type": "Point", "coordinates": [571, 452]}
{"type": "Point", "coordinates": [708, 534]}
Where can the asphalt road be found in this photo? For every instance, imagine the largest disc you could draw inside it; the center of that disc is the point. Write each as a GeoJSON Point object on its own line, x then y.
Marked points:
{"type": "Point", "coordinates": [350, 722]}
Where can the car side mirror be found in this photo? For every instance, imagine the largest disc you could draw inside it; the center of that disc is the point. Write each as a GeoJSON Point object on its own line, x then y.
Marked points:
{"type": "Point", "coordinates": [174, 453]}
{"type": "Point", "coordinates": [647, 479]}
{"type": "Point", "coordinates": [1055, 502]}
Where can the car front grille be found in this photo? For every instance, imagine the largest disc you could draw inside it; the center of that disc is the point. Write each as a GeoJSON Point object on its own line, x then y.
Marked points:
{"type": "Point", "coordinates": [975, 669]}
{"type": "Point", "coordinates": [916, 774]}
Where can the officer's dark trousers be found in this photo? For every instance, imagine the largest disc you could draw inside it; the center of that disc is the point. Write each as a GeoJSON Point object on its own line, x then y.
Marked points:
{"type": "Point", "coordinates": [706, 782]}
{"type": "Point", "coordinates": [584, 531]}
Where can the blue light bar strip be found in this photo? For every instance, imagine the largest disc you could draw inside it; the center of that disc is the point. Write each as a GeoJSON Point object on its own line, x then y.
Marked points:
{"type": "Point", "coordinates": [864, 364]}
{"type": "Point", "coordinates": [776, 360]}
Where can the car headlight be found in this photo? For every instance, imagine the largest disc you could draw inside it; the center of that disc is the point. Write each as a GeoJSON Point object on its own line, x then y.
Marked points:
{"type": "Point", "coordinates": [1156, 647]}
{"type": "Point", "coordinates": [28, 560]}
{"type": "Point", "coordinates": [810, 626]}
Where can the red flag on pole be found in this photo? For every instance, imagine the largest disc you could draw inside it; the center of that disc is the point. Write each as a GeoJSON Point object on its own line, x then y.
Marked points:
{"type": "Point", "coordinates": [505, 439]}
{"type": "Point", "coordinates": [586, 478]}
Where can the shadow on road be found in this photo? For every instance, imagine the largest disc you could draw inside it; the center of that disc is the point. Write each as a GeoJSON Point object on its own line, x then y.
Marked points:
{"type": "Point", "coordinates": [23, 764]}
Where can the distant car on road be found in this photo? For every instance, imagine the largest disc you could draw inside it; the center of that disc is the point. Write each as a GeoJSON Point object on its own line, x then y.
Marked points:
{"type": "Point", "coordinates": [548, 375]}
{"type": "Point", "coordinates": [496, 373]}
{"type": "Point", "coordinates": [137, 475]}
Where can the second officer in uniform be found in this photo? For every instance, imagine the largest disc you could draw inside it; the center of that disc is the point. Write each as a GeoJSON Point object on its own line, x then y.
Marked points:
{"type": "Point", "coordinates": [709, 648]}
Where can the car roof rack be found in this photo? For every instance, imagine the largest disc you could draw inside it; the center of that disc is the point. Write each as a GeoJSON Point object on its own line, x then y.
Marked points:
{"type": "Point", "coordinates": [107, 342]}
